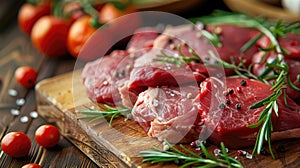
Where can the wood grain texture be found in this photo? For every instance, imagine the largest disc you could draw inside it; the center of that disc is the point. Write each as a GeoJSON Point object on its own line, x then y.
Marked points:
{"type": "Point", "coordinates": [118, 146]}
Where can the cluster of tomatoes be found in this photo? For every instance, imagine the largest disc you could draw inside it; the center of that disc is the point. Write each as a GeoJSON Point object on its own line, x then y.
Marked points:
{"type": "Point", "coordinates": [18, 144]}
{"type": "Point", "coordinates": [57, 29]}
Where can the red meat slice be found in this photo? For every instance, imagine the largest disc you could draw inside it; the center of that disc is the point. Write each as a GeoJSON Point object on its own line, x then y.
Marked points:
{"type": "Point", "coordinates": [158, 74]}
{"type": "Point", "coordinates": [102, 78]}
{"type": "Point", "coordinates": [168, 113]}
{"type": "Point", "coordinates": [142, 38]}
{"type": "Point", "coordinates": [224, 108]}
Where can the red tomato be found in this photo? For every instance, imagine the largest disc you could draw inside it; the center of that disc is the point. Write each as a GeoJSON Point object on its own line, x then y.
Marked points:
{"type": "Point", "coordinates": [26, 76]}
{"type": "Point", "coordinates": [49, 35]}
{"type": "Point", "coordinates": [31, 165]}
{"type": "Point", "coordinates": [79, 33]}
{"type": "Point", "coordinates": [47, 135]}
{"type": "Point", "coordinates": [29, 14]}
{"type": "Point", "coordinates": [109, 12]}
{"type": "Point", "coordinates": [16, 144]}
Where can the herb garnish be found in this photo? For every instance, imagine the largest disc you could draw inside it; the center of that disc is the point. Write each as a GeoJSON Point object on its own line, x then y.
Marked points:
{"type": "Point", "coordinates": [178, 60]}
{"type": "Point", "coordinates": [189, 158]}
{"type": "Point", "coordinates": [105, 111]}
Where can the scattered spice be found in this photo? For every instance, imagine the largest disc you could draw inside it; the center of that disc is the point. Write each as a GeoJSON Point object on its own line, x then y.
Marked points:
{"type": "Point", "coordinates": [189, 95]}
{"type": "Point", "coordinates": [24, 119]}
{"type": "Point", "coordinates": [12, 92]}
{"type": "Point", "coordinates": [218, 30]}
{"type": "Point", "coordinates": [238, 106]}
{"type": "Point", "coordinates": [249, 156]}
{"type": "Point", "coordinates": [196, 143]}
{"type": "Point", "coordinates": [20, 102]}
{"type": "Point", "coordinates": [243, 83]}
{"type": "Point", "coordinates": [15, 112]}
{"type": "Point", "coordinates": [228, 101]}
{"type": "Point", "coordinates": [217, 152]}
{"type": "Point", "coordinates": [34, 114]}
{"type": "Point", "coordinates": [230, 91]}
{"type": "Point", "coordinates": [241, 153]}
{"type": "Point", "coordinates": [222, 106]}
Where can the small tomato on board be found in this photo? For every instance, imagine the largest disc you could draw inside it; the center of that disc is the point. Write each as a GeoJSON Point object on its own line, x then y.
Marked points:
{"type": "Point", "coordinates": [26, 76]}
{"type": "Point", "coordinates": [32, 165]}
{"type": "Point", "coordinates": [47, 135]}
{"type": "Point", "coordinates": [16, 144]}
{"type": "Point", "coordinates": [49, 36]}
{"type": "Point", "coordinates": [29, 14]}
{"type": "Point", "coordinates": [79, 33]}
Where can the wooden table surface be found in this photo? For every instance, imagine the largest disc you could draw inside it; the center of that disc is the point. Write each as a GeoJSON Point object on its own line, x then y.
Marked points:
{"type": "Point", "coordinates": [16, 50]}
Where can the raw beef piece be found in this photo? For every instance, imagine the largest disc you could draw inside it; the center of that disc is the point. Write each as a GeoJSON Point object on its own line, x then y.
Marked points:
{"type": "Point", "coordinates": [168, 113]}
{"type": "Point", "coordinates": [102, 78]}
{"type": "Point", "coordinates": [224, 108]}
{"type": "Point", "coordinates": [157, 74]}
{"type": "Point", "coordinates": [142, 38]}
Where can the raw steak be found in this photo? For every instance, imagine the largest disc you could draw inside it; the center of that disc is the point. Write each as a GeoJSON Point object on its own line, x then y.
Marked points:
{"type": "Point", "coordinates": [102, 78]}
{"type": "Point", "coordinates": [224, 108]}
{"type": "Point", "coordinates": [142, 38]}
{"type": "Point", "coordinates": [157, 74]}
{"type": "Point", "coordinates": [168, 113]}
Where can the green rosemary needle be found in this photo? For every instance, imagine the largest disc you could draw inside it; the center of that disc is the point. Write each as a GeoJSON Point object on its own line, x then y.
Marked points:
{"type": "Point", "coordinates": [105, 111]}
{"type": "Point", "coordinates": [189, 158]}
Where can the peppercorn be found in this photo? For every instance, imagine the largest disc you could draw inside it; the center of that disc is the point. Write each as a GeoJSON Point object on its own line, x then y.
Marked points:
{"type": "Point", "coordinates": [238, 106]}
{"type": "Point", "coordinates": [222, 106]}
{"type": "Point", "coordinates": [228, 101]}
{"type": "Point", "coordinates": [243, 83]}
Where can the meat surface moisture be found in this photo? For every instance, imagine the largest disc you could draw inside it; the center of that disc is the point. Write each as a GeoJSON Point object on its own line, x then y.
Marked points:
{"type": "Point", "coordinates": [182, 100]}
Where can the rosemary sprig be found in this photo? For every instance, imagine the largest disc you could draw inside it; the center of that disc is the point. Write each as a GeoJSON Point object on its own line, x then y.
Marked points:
{"type": "Point", "coordinates": [214, 39]}
{"type": "Point", "coordinates": [179, 59]}
{"type": "Point", "coordinates": [189, 158]}
{"type": "Point", "coordinates": [105, 111]}
{"type": "Point", "coordinates": [278, 66]}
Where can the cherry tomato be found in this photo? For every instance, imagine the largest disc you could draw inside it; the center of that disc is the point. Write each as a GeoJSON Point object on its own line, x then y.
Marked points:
{"type": "Point", "coordinates": [29, 14]}
{"type": "Point", "coordinates": [16, 144]}
{"type": "Point", "coordinates": [49, 35]}
{"type": "Point", "coordinates": [79, 33]}
{"type": "Point", "coordinates": [26, 76]}
{"type": "Point", "coordinates": [31, 165]}
{"type": "Point", "coordinates": [47, 135]}
{"type": "Point", "coordinates": [109, 12]}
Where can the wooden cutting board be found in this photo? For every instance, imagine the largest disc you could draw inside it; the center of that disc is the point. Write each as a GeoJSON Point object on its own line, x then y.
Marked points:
{"type": "Point", "coordinates": [119, 145]}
